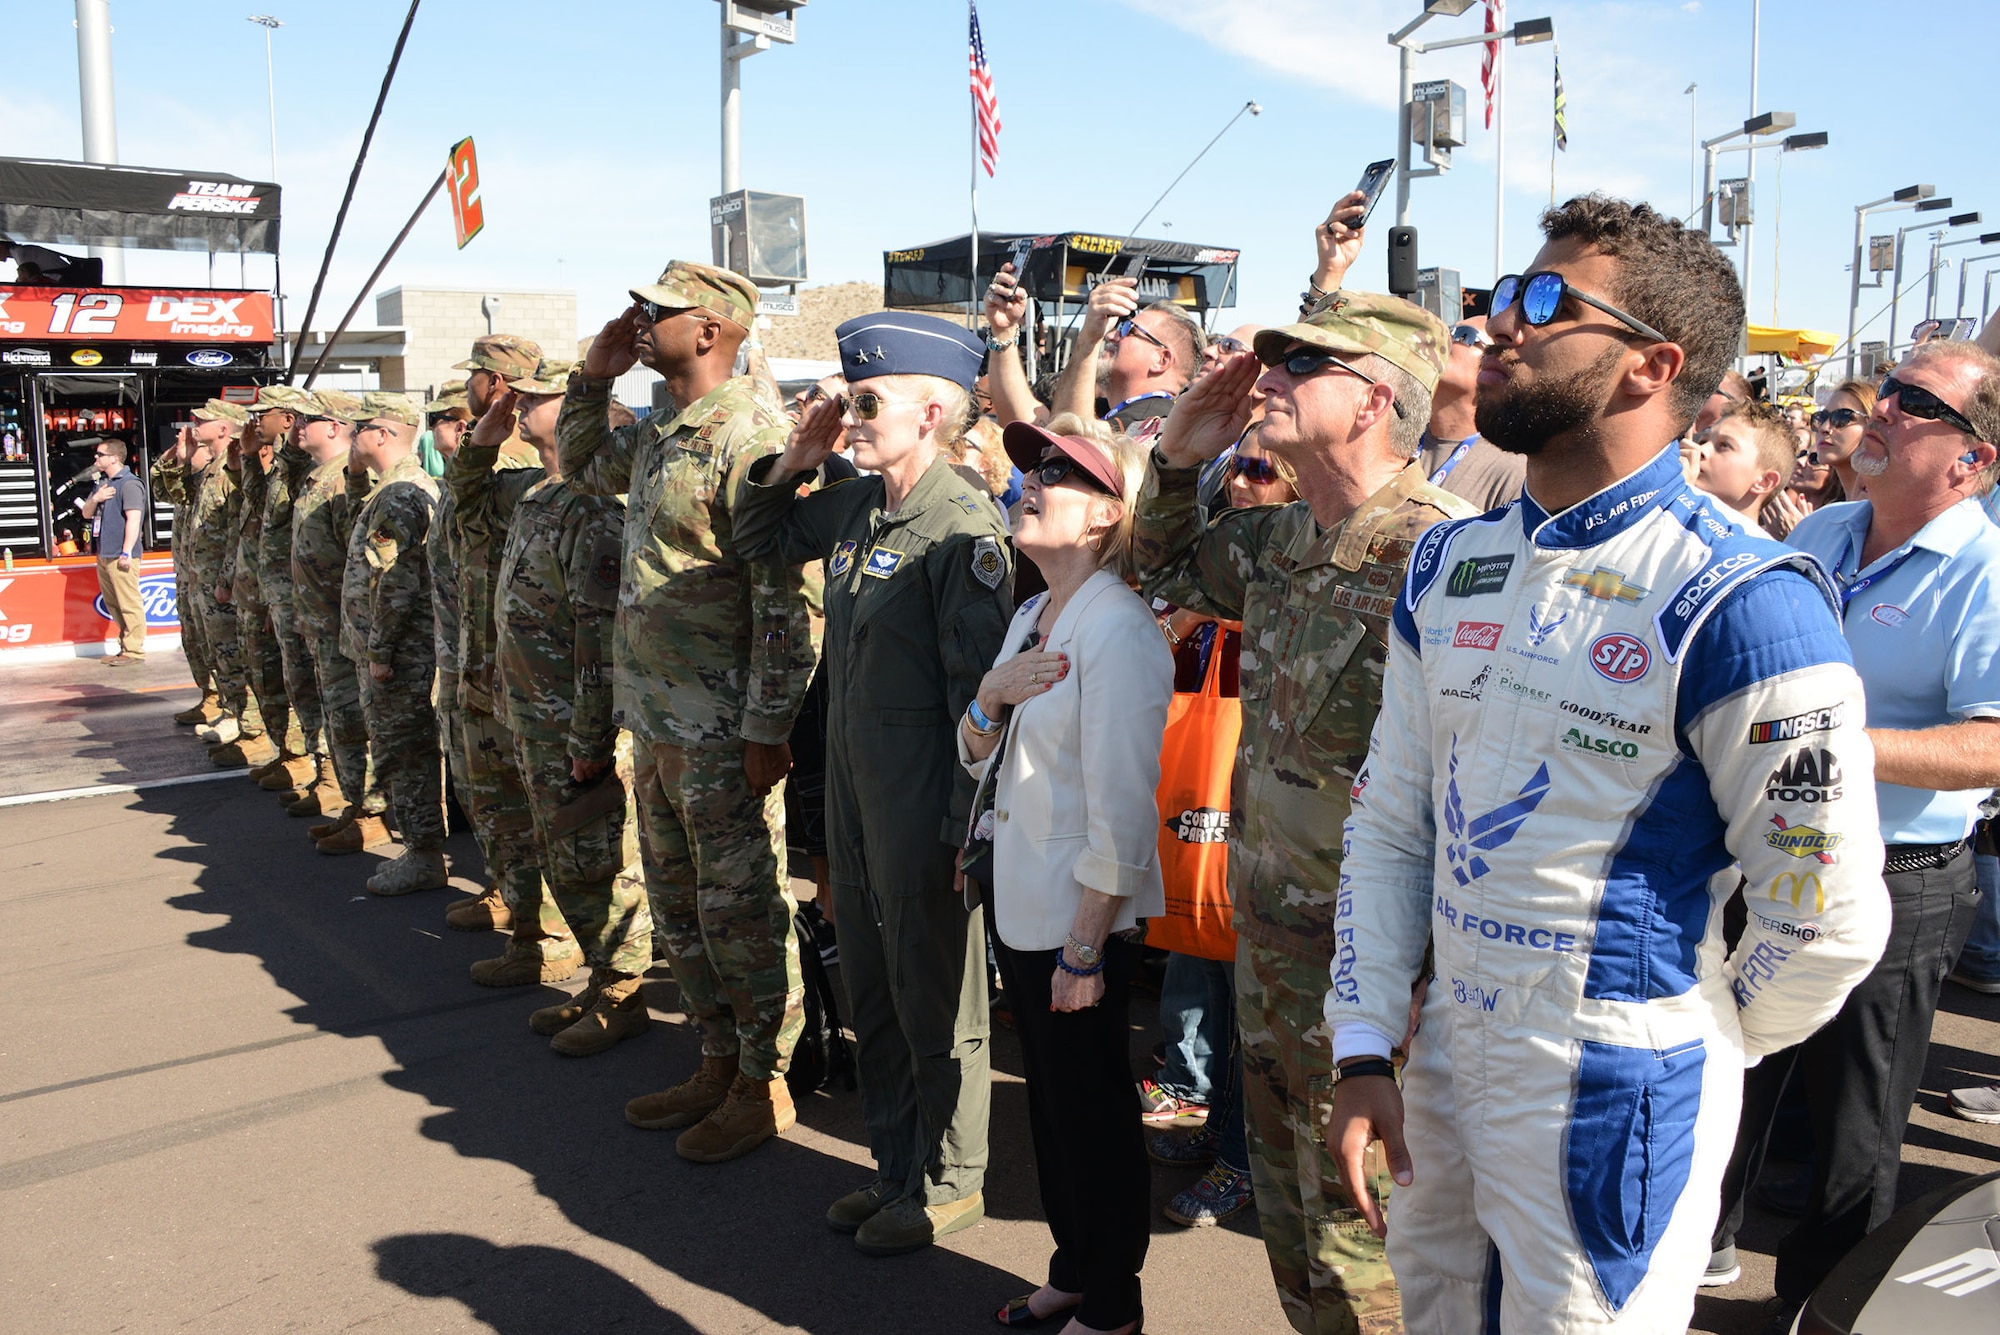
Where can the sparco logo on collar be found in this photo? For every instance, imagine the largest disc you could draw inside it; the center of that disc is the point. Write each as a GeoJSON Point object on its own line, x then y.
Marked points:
{"type": "Point", "coordinates": [1695, 591]}
{"type": "Point", "coordinates": [1824, 719]}
{"type": "Point", "coordinates": [1477, 635]}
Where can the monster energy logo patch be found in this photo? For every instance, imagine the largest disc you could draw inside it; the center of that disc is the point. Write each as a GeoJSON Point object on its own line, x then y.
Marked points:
{"type": "Point", "coordinates": [1479, 574]}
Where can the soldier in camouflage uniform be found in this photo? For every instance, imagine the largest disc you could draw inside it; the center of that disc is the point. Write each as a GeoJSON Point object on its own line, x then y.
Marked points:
{"type": "Point", "coordinates": [385, 627]}
{"type": "Point", "coordinates": [262, 661]}
{"type": "Point", "coordinates": [322, 520]}
{"type": "Point", "coordinates": [712, 655]}
{"type": "Point", "coordinates": [172, 477]}
{"type": "Point", "coordinates": [540, 947]}
{"type": "Point", "coordinates": [1347, 396]}
{"type": "Point", "coordinates": [557, 600]}
{"type": "Point", "coordinates": [213, 528]}
{"type": "Point", "coordinates": [278, 420]}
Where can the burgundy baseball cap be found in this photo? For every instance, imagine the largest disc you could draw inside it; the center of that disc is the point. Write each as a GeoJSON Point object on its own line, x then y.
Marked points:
{"type": "Point", "coordinates": [1027, 445]}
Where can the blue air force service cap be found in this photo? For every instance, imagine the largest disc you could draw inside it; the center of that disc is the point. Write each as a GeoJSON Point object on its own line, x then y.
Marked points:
{"type": "Point", "coordinates": [893, 343]}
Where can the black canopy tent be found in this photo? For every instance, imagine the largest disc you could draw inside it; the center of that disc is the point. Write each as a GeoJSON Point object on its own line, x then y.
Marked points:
{"type": "Point", "coordinates": [137, 208]}
{"type": "Point", "coordinates": [1057, 268]}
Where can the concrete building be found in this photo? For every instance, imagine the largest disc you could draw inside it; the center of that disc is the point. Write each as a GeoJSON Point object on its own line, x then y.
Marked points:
{"type": "Point", "coordinates": [440, 324]}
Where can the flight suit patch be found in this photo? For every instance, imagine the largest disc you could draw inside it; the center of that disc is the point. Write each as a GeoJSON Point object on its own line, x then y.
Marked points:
{"type": "Point", "coordinates": [882, 563]}
{"type": "Point", "coordinates": [989, 567]}
{"type": "Point", "coordinates": [843, 559]}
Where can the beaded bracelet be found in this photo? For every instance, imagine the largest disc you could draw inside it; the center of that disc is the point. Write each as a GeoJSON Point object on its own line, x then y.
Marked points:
{"type": "Point", "coordinates": [1367, 1066]}
{"type": "Point", "coordinates": [1064, 964]}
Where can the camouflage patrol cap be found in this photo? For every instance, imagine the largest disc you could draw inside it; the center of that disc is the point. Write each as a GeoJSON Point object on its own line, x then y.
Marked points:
{"type": "Point", "coordinates": [1395, 330]}
{"type": "Point", "coordinates": [451, 395]}
{"type": "Point", "coordinates": [337, 404]}
{"type": "Point", "coordinates": [216, 410]}
{"type": "Point", "coordinates": [279, 396]}
{"type": "Point", "coordinates": [391, 407]}
{"type": "Point", "coordinates": [551, 377]}
{"type": "Point", "coordinates": [503, 354]}
{"type": "Point", "coordinates": [686, 284]}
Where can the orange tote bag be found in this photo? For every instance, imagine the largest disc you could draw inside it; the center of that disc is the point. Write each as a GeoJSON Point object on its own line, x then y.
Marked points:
{"type": "Point", "coordinates": [1197, 756]}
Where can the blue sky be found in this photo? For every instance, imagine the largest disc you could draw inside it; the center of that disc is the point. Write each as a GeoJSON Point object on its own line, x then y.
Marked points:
{"type": "Point", "coordinates": [597, 127]}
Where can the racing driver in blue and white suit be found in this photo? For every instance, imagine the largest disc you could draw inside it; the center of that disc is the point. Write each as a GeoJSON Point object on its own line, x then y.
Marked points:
{"type": "Point", "coordinates": [1589, 695]}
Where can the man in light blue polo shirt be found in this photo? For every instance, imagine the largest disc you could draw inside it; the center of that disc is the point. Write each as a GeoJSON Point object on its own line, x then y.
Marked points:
{"type": "Point", "coordinates": [1918, 567]}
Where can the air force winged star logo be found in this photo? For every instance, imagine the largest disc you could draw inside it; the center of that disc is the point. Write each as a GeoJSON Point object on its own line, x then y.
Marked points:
{"type": "Point", "coordinates": [1540, 630]}
{"type": "Point", "coordinates": [1484, 833]}
{"type": "Point", "coordinates": [1605, 583]}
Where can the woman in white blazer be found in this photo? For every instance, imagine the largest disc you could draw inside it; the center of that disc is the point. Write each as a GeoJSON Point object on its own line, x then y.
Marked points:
{"type": "Point", "coordinates": [1064, 739]}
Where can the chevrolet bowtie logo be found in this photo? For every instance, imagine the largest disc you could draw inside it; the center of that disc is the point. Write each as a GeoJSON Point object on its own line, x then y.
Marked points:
{"type": "Point", "coordinates": [1605, 584]}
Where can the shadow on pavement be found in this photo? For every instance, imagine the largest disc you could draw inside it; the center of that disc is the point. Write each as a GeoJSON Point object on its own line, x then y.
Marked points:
{"type": "Point", "coordinates": [521, 1290]}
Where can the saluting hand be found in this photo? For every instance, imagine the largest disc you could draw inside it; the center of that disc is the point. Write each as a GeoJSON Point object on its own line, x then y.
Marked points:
{"type": "Point", "coordinates": [614, 352]}
{"type": "Point", "coordinates": [497, 423]}
{"type": "Point", "coordinates": [813, 438]}
{"type": "Point", "coordinates": [1210, 414]}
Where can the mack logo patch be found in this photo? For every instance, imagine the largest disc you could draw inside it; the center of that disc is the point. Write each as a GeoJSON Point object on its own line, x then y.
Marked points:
{"type": "Point", "coordinates": [1201, 825]}
{"type": "Point", "coordinates": [1824, 719]}
{"type": "Point", "coordinates": [1469, 837]}
{"type": "Point", "coordinates": [882, 563]}
{"type": "Point", "coordinates": [1479, 574]}
{"type": "Point", "coordinates": [1811, 774]}
{"type": "Point", "coordinates": [1472, 690]}
{"type": "Point", "coordinates": [1477, 635]}
{"type": "Point", "coordinates": [1803, 841]}
{"type": "Point", "coordinates": [843, 559]}
{"type": "Point", "coordinates": [1605, 583]}
{"type": "Point", "coordinates": [1619, 657]}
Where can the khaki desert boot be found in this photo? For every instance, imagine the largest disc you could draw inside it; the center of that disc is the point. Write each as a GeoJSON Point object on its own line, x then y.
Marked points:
{"type": "Point", "coordinates": [753, 1112]}
{"type": "Point", "coordinates": [223, 729]}
{"type": "Point", "coordinates": [856, 1208]}
{"type": "Point", "coordinates": [415, 869]}
{"type": "Point", "coordinates": [288, 772]}
{"type": "Point", "coordinates": [207, 711]}
{"type": "Point", "coordinates": [688, 1102]}
{"type": "Point", "coordinates": [522, 964]}
{"type": "Point", "coordinates": [618, 1013]}
{"type": "Point", "coordinates": [488, 913]}
{"type": "Point", "coordinates": [362, 832]}
{"type": "Point", "coordinates": [908, 1225]}
{"type": "Point", "coordinates": [331, 827]}
{"type": "Point", "coordinates": [243, 752]}
{"type": "Point", "coordinates": [552, 1020]}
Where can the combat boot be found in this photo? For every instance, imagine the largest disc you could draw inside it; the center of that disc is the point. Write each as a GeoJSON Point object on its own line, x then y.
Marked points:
{"type": "Point", "coordinates": [487, 913]}
{"type": "Point", "coordinates": [417, 869]}
{"type": "Point", "coordinates": [242, 752]}
{"type": "Point", "coordinates": [202, 714]}
{"type": "Point", "coordinates": [224, 729]}
{"type": "Point", "coordinates": [908, 1225]}
{"type": "Point", "coordinates": [552, 1020]}
{"type": "Point", "coordinates": [618, 1013]}
{"type": "Point", "coordinates": [332, 827]}
{"type": "Point", "coordinates": [688, 1102]}
{"type": "Point", "coordinates": [288, 772]}
{"type": "Point", "coordinates": [353, 836]}
{"type": "Point", "coordinates": [752, 1113]}
{"type": "Point", "coordinates": [523, 963]}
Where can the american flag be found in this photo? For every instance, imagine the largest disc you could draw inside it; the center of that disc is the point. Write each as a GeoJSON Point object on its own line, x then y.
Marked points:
{"type": "Point", "coordinates": [1562, 108]}
{"type": "Point", "coordinates": [985, 104]}
{"type": "Point", "coordinates": [1489, 64]}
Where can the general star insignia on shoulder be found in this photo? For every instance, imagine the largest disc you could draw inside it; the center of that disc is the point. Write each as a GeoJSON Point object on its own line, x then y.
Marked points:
{"type": "Point", "coordinates": [988, 566]}
{"type": "Point", "coordinates": [843, 559]}
{"type": "Point", "coordinates": [882, 563]}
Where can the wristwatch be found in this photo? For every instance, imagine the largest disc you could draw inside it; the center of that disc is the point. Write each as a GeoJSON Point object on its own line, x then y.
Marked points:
{"type": "Point", "coordinates": [1087, 956]}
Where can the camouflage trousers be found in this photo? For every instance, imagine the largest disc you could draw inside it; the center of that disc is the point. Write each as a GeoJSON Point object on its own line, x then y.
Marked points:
{"type": "Point", "coordinates": [714, 855]}
{"type": "Point", "coordinates": [301, 678]}
{"type": "Point", "coordinates": [1332, 1275]}
{"type": "Point", "coordinates": [587, 838]}
{"type": "Point", "coordinates": [451, 739]}
{"type": "Point", "coordinates": [346, 727]}
{"type": "Point", "coordinates": [501, 811]}
{"type": "Point", "coordinates": [403, 747]}
{"type": "Point", "coordinates": [194, 644]}
{"type": "Point", "coordinates": [264, 665]}
{"type": "Point", "coordinates": [219, 621]}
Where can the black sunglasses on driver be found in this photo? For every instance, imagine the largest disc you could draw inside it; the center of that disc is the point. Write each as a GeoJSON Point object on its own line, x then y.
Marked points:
{"type": "Point", "coordinates": [1541, 296]}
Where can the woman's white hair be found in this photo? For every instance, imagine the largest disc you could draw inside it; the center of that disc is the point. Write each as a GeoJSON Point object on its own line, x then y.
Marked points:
{"type": "Point", "coordinates": [1128, 460]}
{"type": "Point", "coordinates": [954, 397]}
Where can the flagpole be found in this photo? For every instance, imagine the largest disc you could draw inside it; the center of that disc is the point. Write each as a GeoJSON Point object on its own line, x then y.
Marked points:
{"type": "Point", "coordinates": [1499, 157]}
{"type": "Point", "coordinates": [1555, 124]}
{"type": "Point", "coordinates": [972, 102]}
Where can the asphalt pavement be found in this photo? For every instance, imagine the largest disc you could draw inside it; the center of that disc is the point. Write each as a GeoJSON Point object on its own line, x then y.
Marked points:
{"type": "Point", "coordinates": [238, 1093]}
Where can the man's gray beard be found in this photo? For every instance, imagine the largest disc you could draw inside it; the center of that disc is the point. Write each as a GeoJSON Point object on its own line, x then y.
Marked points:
{"type": "Point", "coordinates": [1868, 465]}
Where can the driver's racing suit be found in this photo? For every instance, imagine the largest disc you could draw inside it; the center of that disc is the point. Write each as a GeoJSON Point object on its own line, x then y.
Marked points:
{"type": "Point", "coordinates": [1587, 719]}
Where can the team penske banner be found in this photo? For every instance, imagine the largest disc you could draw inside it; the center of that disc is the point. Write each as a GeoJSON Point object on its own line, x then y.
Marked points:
{"type": "Point", "coordinates": [134, 315]}
{"type": "Point", "coordinates": [54, 203]}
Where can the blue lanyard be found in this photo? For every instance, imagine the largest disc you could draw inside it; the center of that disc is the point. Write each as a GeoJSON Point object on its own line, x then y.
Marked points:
{"type": "Point", "coordinates": [1457, 456]}
{"type": "Point", "coordinates": [1849, 592]}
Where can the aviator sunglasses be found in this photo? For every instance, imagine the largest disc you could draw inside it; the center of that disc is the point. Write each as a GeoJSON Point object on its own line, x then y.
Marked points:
{"type": "Point", "coordinates": [1257, 472]}
{"type": "Point", "coordinates": [1541, 296]}
{"type": "Point", "coordinates": [1838, 418]}
{"type": "Point", "coordinates": [1129, 326]}
{"type": "Point", "coordinates": [1916, 401]}
{"type": "Point", "coordinates": [1301, 362]}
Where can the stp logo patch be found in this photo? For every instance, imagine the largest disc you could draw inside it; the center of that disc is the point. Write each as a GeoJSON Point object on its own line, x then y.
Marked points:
{"type": "Point", "coordinates": [1619, 657]}
{"type": "Point", "coordinates": [1477, 635]}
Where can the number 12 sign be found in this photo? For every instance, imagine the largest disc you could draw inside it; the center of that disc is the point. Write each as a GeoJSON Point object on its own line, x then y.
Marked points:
{"type": "Point", "coordinates": [468, 215]}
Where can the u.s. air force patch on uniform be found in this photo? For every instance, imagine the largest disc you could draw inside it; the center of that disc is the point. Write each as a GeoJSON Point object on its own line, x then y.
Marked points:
{"type": "Point", "coordinates": [882, 563]}
{"type": "Point", "coordinates": [843, 559]}
{"type": "Point", "coordinates": [989, 567]}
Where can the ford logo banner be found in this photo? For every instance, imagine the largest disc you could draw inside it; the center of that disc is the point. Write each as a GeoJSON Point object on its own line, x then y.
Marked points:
{"type": "Point", "coordinates": [156, 595]}
{"type": "Point", "coordinates": [209, 357]}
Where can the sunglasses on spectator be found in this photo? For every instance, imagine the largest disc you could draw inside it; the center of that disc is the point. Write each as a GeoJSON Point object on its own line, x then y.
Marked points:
{"type": "Point", "coordinates": [1257, 472]}
{"type": "Point", "coordinates": [1302, 362]}
{"type": "Point", "coordinates": [655, 312]}
{"type": "Point", "coordinates": [1472, 336]}
{"type": "Point", "coordinates": [1916, 401]}
{"type": "Point", "coordinates": [867, 405]}
{"type": "Point", "coordinates": [1838, 418]}
{"type": "Point", "coordinates": [1129, 326]}
{"type": "Point", "coordinates": [1056, 467]}
{"type": "Point", "coordinates": [1541, 297]}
